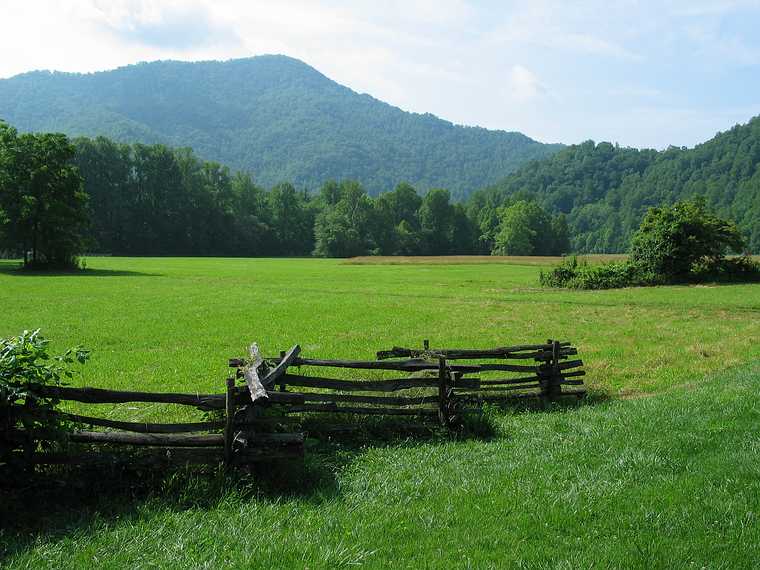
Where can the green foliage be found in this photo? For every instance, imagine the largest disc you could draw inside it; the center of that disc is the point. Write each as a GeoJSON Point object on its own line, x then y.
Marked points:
{"type": "Point", "coordinates": [343, 228]}
{"type": "Point", "coordinates": [271, 115]}
{"type": "Point", "coordinates": [527, 229]}
{"type": "Point", "coordinates": [680, 243]}
{"type": "Point", "coordinates": [42, 204]}
{"type": "Point", "coordinates": [436, 217]}
{"type": "Point", "coordinates": [605, 190]}
{"type": "Point", "coordinates": [153, 200]}
{"type": "Point", "coordinates": [741, 269]}
{"type": "Point", "coordinates": [25, 362]}
{"type": "Point", "coordinates": [671, 240]}
{"type": "Point", "coordinates": [350, 223]}
{"type": "Point", "coordinates": [571, 274]}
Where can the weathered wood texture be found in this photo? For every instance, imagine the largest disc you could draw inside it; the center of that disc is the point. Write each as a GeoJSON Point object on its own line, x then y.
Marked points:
{"type": "Point", "coordinates": [251, 374]}
{"type": "Point", "coordinates": [548, 370]}
{"type": "Point", "coordinates": [229, 426]}
{"type": "Point", "coordinates": [153, 439]}
{"type": "Point", "coordinates": [419, 365]}
{"type": "Point", "coordinates": [520, 352]}
{"type": "Point", "coordinates": [440, 390]}
{"type": "Point", "coordinates": [143, 427]}
{"type": "Point", "coordinates": [332, 407]}
{"type": "Point", "coordinates": [101, 396]}
{"type": "Point", "coordinates": [390, 385]}
{"type": "Point", "coordinates": [289, 358]}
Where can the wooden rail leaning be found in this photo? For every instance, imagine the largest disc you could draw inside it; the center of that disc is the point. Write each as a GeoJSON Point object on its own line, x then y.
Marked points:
{"type": "Point", "coordinates": [520, 352]}
{"type": "Point", "coordinates": [200, 401]}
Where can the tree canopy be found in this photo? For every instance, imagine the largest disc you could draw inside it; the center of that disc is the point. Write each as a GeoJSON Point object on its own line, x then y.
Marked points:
{"type": "Point", "coordinates": [42, 204]}
{"type": "Point", "coordinates": [527, 229]}
{"type": "Point", "coordinates": [154, 200]}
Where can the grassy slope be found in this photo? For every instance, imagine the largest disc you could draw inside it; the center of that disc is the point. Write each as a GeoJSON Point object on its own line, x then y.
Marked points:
{"type": "Point", "coordinates": [670, 480]}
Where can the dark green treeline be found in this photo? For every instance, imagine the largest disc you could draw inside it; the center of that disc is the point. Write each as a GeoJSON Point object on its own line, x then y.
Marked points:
{"type": "Point", "coordinates": [154, 200]}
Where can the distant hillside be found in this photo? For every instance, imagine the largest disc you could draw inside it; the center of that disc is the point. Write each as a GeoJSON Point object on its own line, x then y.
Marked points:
{"type": "Point", "coordinates": [605, 190]}
{"type": "Point", "coordinates": [272, 115]}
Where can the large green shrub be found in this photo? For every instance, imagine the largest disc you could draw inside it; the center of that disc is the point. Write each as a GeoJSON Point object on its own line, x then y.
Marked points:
{"type": "Point", "coordinates": [671, 240]}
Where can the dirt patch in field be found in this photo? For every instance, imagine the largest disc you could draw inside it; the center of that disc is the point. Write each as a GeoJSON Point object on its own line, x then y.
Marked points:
{"type": "Point", "coordinates": [473, 259]}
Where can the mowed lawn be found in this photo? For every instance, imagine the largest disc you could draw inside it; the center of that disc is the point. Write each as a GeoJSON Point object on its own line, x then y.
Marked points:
{"type": "Point", "coordinates": [663, 473]}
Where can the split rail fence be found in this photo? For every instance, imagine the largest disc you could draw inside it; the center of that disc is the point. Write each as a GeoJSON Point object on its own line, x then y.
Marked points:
{"type": "Point", "coordinates": [432, 382]}
{"type": "Point", "coordinates": [438, 384]}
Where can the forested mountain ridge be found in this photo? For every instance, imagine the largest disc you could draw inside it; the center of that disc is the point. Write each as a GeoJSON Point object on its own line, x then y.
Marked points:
{"type": "Point", "coordinates": [605, 190]}
{"type": "Point", "coordinates": [273, 116]}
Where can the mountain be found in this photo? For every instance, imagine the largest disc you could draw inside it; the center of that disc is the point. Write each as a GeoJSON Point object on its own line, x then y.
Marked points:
{"type": "Point", "coordinates": [605, 190]}
{"type": "Point", "coordinates": [271, 115]}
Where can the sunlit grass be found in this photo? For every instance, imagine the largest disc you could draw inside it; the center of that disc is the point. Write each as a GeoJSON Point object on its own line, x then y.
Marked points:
{"type": "Point", "coordinates": [669, 480]}
{"type": "Point", "coordinates": [172, 323]}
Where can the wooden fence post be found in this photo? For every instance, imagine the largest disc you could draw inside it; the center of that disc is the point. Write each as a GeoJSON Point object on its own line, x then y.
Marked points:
{"type": "Point", "coordinates": [545, 372]}
{"type": "Point", "coordinates": [282, 356]}
{"type": "Point", "coordinates": [229, 426]}
{"type": "Point", "coordinates": [443, 392]}
{"type": "Point", "coordinates": [554, 386]}
{"type": "Point", "coordinates": [551, 389]}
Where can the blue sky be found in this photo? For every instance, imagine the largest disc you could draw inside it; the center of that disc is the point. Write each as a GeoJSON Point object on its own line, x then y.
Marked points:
{"type": "Point", "coordinates": [644, 74]}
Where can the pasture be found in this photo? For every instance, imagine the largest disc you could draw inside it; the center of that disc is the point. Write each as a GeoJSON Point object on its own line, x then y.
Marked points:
{"type": "Point", "coordinates": [658, 469]}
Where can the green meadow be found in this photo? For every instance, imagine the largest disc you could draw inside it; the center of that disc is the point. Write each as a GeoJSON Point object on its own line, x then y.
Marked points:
{"type": "Point", "coordinates": [660, 467]}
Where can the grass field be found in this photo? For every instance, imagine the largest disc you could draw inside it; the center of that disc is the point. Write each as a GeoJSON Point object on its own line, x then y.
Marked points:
{"type": "Point", "coordinates": [667, 480]}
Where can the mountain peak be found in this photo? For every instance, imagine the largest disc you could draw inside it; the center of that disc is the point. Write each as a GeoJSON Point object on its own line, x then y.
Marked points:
{"type": "Point", "coordinates": [273, 115]}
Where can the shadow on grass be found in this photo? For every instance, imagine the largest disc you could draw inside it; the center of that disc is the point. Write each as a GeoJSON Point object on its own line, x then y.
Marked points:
{"type": "Point", "coordinates": [16, 270]}
{"type": "Point", "coordinates": [56, 503]}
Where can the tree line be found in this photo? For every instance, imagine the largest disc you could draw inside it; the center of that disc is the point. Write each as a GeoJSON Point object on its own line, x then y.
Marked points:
{"type": "Point", "coordinates": [138, 199]}
{"type": "Point", "coordinates": [605, 190]}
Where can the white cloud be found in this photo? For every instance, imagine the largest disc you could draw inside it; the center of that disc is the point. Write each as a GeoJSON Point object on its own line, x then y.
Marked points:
{"type": "Point", "coordinates": [170, 25]}
{"type": "Point", "coordinates": [524, 85]}
{"type": "Point", "coordinates": [558, 71]}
